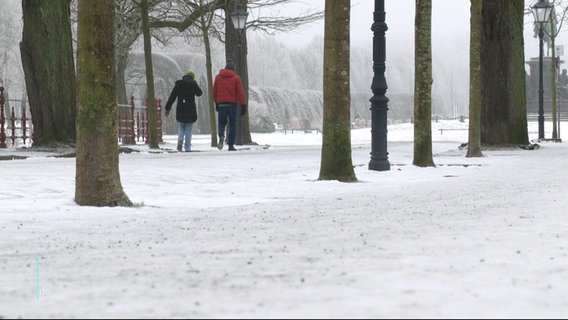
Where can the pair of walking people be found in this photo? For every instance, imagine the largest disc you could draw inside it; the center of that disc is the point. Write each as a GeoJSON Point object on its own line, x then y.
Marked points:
{"type": "Point", "coordinates": [228, 92]}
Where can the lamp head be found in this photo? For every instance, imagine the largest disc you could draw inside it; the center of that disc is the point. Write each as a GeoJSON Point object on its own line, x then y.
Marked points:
{"type": "Point", "coordinates": [541, 11]}
{"type": "Point", "coordinates": [239, 16]}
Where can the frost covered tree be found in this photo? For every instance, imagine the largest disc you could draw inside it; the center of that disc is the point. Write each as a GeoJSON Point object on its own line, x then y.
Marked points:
{"type": "Point", "coordinates": [423, 85]}
{"type": "Point", "coordinates": [47, 59]}
{"type": "Point", "coordinates": [336, 161]}
{"type": "Point", "coordinates": [11, 76]}
{"type": "Point", "coordinates": [97, 181]}
{"type": "Point", "coordinates": [189, 12]}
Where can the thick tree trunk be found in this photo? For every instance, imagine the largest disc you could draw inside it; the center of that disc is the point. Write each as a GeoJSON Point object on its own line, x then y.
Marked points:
{"type": "Point", "coordinates": [336, 161]}
{"type": "Point", "coordinates": [97, 181]}
{"type": "Point", "coordinates": [474, 141]}
{"type": "Point", "coordinates": [423, 85]}
{"type": "Point", "coordinates": [47, 59]}
{"type": "Point", "coordinates": [503, 104]}
{"type": "Point", "coordinates": [231, 52]}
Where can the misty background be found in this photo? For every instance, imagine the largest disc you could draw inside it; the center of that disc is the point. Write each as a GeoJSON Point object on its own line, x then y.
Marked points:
{"type": "Point", "coordinates": [286, 69]}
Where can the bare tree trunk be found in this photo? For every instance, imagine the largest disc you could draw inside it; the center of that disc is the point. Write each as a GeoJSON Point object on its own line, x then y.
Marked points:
{"type": "Point", "coordinates": [121, 64]}
{"type": "Point", "coordinates": [97, 181]}
{"type": "Point", "coordinates": [503, 91]}
{"type": "Point", "coordinates": [423, 85]}
{"type": "Point", "coordinates": [47, 58]}
{"type": "Point", "coordinates": [212, 113]}
{"type": "Point", "coordinates": [336, 161]}
{"type": "Point", "coordinates": [127, 31]}
{"type": "Point", "coordinates": [553, 77]}
{"type": "Point", "coordinates": [206, 19]}
{"type": "Point", "coordinates": [474, 141]}
{"type": "Point", "coordinates": [231, 52]}
{"type": "Point", "coordinates": [152, 121]}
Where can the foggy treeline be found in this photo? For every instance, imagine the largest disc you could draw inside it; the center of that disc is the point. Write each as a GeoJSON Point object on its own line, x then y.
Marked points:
{"type": "Point", "coordinates": [272, 65]}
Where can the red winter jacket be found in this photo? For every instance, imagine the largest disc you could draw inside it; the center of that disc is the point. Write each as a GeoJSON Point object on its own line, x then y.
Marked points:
{"type": "Point", "coordinates": [228, 88]}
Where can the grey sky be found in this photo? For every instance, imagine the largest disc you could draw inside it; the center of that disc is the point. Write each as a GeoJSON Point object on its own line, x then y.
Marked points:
{"type": "Point", "coordinates": [450, 26]}
{"type": "Point", "coordinates": [448, 22]}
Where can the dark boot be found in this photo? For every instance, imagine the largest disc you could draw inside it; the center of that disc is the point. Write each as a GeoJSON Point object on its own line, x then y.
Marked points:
{"type": "Point", "coordinates": [220, 143]}
{"type": "Point", "coordinates": [179, 146]}
{"type": "Point", "coordinates": [232, 148]}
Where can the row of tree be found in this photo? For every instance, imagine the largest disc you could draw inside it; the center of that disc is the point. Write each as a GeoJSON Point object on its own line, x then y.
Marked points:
{"type": "Point", "coordinates": [498, 113]}
{"type": "Point", "coordinates": [497, 77]}
{"type": "Point", "coordinates": [106, 32]}
{"type": "Point", "coordinates": [48, 31]}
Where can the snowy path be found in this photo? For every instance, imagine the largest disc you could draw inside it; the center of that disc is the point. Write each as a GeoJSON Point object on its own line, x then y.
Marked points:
{"type": "Point", "coordinates": [253, 235]}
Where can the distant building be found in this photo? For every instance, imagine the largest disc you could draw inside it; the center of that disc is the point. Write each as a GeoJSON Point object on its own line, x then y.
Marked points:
{"type": "Point", "coordinates": [533, 85]}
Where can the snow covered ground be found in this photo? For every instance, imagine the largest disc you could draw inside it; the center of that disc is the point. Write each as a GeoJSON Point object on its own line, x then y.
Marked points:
{"type": "Point", "coordinates": [253, 234]}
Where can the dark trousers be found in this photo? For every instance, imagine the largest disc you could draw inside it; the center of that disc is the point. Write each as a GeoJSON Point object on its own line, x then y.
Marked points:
{"type": "Point", "coordinates": [228, 111]}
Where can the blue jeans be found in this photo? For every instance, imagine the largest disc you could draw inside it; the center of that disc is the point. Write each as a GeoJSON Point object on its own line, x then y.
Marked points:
{"type": "Point", "coordinates": [185, 132]}
{"type": "Point", "coordinates": [228, 111]}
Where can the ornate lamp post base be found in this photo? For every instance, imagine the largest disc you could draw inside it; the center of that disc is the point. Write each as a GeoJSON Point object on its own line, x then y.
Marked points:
{"type": "Point", "coordinates": [379, 102]}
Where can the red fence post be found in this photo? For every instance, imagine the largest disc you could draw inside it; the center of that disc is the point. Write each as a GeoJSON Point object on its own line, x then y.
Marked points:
{"type": "Point", "coordinates": [13, 124]}
{"type": "Point", "coordinates": [2, 120]}
{"type": "Point", "coordinates": [121, 123]}
{"type": "Point", "coordinates": [24, 123]}
{"type": "Point", "coordinates": [138, 126]}
{"type": "Point", "coordinates": [132, 132]}
{"type": "Point", "coordinates": [147, 123]}
{"type": "Point", "coordinates": [142, 127]}
{"type": "Point", "coordinates": [159, 117]}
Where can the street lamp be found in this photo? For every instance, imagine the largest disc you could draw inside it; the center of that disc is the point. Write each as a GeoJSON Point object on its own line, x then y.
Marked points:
{"type": "Point", "coordinates": [379, 102]}
{"type": "Point", "coordinates": [541, 11]}
{"type": "Point", "coordinates": [239, 18]}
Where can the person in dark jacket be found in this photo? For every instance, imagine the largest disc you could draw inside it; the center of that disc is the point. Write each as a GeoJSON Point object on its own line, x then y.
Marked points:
{"type": "Point", "coordinates": [185, 91]}
{"type": "Point", "coordinates": [227, 93]}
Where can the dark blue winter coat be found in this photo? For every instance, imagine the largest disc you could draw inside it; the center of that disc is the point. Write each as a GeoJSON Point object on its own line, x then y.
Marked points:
{"type": "Point", "coordinates": [185, 91]}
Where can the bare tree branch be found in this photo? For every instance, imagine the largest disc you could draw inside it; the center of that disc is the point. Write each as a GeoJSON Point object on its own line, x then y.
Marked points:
{"type": "Point", "coordinates": [191, 18]}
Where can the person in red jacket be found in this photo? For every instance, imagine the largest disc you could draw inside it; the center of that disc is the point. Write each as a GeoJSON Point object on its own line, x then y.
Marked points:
{"type": "Point", "coordinates": [227, 93]}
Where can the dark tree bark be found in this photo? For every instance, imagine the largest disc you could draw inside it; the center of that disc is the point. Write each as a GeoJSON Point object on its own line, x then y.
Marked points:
{"type": "Point", "coordinates": [423, 85]}
{"type": "Point", "coordinates": [97, 181]}
{"type": "Point", "coordinates": [503, 104]}
{"type": "Point", "coordinates": [151, 92]}
{"type": "Point", "coordinates": [231, 52]}
{"type": "Point", "coordinates": [47, 59]}
{"type": "Point", "coordinates": [336, 161]}
{"type": "Point", "coordinates": [474, 140]}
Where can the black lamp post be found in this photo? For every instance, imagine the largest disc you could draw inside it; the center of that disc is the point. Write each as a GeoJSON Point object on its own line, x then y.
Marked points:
{"type": "Point", "coordinates": [379, 102]}
{"type": "Point", "coordinates": [541, 10]}
{"type": "Point", "coordinates": [239, 18]}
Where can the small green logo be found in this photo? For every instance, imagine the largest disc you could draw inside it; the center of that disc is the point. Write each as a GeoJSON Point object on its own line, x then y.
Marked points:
{"type": "Point", "coordinates": [39, 291]}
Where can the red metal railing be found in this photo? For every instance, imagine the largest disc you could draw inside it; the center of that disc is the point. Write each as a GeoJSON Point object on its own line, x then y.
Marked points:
{"type": "Point", "coordinates": [132, 123]}
{"type": "Point", "coordinates": [2, 120]}
{"type": "Point", "coordinates": [15, 124]}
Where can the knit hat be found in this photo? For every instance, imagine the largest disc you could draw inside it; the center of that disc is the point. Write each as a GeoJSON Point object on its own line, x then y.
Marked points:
{"type": "Point", "coordinates": [230, 65]}
{"type": "Point", "coordinates": [190, 74]}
